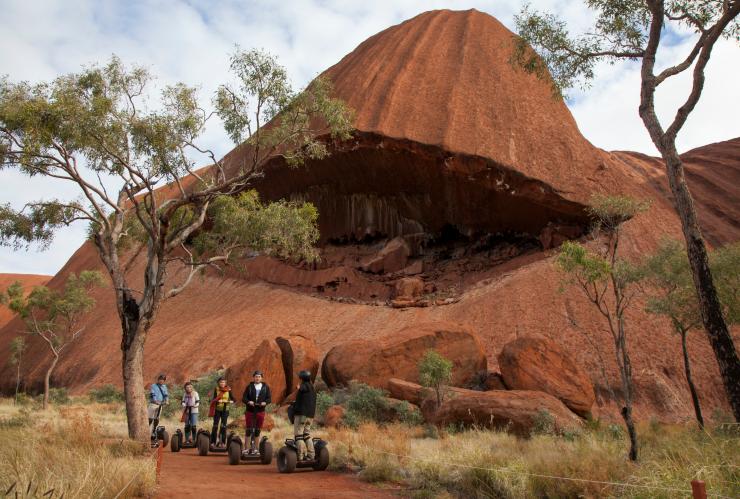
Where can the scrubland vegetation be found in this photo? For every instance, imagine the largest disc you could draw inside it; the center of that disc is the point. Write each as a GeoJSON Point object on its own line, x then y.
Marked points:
{"type": "Point", "coordinates": [78, 449]}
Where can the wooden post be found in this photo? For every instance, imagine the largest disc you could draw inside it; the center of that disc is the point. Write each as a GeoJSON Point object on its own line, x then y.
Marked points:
{"type": "Point", "coordinates": [699, 489]}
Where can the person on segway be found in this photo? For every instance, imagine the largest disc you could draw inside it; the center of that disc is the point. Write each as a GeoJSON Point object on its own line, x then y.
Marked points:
{"type": "Point", "coordinates": [158, 396]}
{"type": "Point", "coordinates": [305, 409]}
{"type": "Point", "coordinates": [221, 400]}
{"type": "Point", "coordinates": [256, 397]}
{"type": "Point", "coordinates": [190, 405]}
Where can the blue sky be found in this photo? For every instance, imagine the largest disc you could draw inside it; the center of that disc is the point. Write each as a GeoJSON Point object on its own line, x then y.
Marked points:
{"type": "Point", "coordinates": [190, 40]}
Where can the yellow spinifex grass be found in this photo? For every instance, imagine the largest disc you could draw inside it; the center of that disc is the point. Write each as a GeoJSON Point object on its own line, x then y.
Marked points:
{"type": "Point", "coordinates": [81, 451]}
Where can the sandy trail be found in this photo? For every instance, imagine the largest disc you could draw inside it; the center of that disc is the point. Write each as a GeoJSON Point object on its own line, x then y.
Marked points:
{"type": "Point", "coordinates": [188, 475]}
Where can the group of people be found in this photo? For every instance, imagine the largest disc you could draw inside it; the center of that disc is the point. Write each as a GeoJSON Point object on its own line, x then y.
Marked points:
{"type": "Point", "coordinates": [257, 396]}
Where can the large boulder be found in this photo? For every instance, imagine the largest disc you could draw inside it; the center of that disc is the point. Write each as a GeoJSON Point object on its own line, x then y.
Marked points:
{"type": "Point", "coordinates": [398, 355]}
{"type": "Point", "coordinates": [267, 358]}
{"type": "Point", "coordinates": [333, 416]}
{"type": "Point", "coordinates": [517, 410]}
{"type": "Point", "coordinates": [391, 258]}
{"type": "Point", "coordinates": [298, 353]}
{"type": "Point", "coordinates": [537, 363]}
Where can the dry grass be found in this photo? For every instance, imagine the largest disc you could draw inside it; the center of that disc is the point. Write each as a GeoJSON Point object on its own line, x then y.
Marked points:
{"type": "Point", "coordinates": [483, 464]}
{"type": "Point", "coordinates": [81, 451]}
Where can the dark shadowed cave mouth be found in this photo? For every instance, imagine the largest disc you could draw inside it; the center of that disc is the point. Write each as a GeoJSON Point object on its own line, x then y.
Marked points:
{"type": "Point", "coordinates": [458, 217]}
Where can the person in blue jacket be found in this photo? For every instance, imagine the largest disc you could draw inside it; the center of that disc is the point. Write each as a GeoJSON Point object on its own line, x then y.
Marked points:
{"type": "Point", "coordinates": [158, 396]}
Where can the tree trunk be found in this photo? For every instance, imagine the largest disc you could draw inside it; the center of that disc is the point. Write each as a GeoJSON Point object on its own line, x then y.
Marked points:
{"type": "Point", "coordinates": [47, 378]}
{"type": "Point", "coordinates": [133, 385]}
{"type": "Point", "coordinates": [711, 311]}
{"type": "Point", "coordinates": [627, 416]}
{"type": "Point", "coordinates": [17, 380]}
{"type": "Point", "coordinates": [692, 388]}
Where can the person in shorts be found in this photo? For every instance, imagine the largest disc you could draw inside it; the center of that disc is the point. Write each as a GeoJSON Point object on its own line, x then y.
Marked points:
{"type": "Point", "coordinates": [256, 397]}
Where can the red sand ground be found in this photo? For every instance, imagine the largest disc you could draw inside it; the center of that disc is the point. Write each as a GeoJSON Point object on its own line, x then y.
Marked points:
{"type": "Point", "coordinates": [187, 475]}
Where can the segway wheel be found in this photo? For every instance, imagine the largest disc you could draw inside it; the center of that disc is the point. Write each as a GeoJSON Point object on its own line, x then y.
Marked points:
{"type": "Point", "coordinates": [265, 452]}
{"type": "Point", "coordinates": [164, 437]}
{"type": "Point", "coordinates": [203, 444]}
{"type": "Point", "coordinates": [322, 460]}
{"type": "Point", "coordinates": [175, 443]}
{"type": "Point", "coordinates": [235, 452]}
{"type": "Point", "coordinates": [286, 460]}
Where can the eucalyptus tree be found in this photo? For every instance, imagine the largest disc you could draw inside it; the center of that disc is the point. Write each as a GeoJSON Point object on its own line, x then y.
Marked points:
{"type": "Point", "coordinates": [609, 283]}
{"type": "Point", "coordinates": [671, 293]}
{"type": "Point", "coordinates": [55, 317]}
{"type": "Point", "coordinates": [633, 30]}
{"type": "Point", "coordinates": [94, 127]}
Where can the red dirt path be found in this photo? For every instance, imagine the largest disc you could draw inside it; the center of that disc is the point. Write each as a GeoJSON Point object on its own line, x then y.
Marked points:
{"type": "Point", "coordinates": [188, 475]}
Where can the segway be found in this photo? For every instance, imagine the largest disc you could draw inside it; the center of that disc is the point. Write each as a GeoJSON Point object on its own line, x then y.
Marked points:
{"type": "Point", "coordinates": [203, 443]}
{"type": "Point", "coordinates": [158, 431]}
{"type": "Point", "coordinates": [177, 443]}
{"type": "Point", "coordinates": [238, 454]}
{"type": "Point", "coordinates": [287, 458]}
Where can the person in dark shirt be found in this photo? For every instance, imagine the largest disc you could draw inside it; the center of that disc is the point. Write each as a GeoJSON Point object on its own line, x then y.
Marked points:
{"type": "Point", "coordinates": [256, 397]}
{"type": "Point", "coordinates": [305, 409]}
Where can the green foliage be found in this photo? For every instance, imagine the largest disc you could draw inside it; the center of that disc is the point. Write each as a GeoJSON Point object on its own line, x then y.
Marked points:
{"type": "Point", "coordinates": [725, 265]}
{"type": "Point", "coordinates": [408, 414]}
{"type": "Point", "coordinates": [297, 117]}
{"type": "Point", "coordinates": [284, 229]}
{"type": "Point", "coordinates": [106, 394]}
{"type": "Point", "coordinates": [611, 211]}
{"type": "Point", "coordinates": [366, 403]}
{"type": "Point", "coordinates": [59, 396]}
{"type": "Point", "coordinates": [324, 400]}
{"type": "Point", "coordinates": [434, 372]}
{"type": "Point", "coordinates": [17, 347]}
{"type": "Point", "coordinates": [620, 31]}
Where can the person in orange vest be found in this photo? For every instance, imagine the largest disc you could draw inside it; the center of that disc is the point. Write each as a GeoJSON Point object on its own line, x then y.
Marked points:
{"type": "Point", "coordinates": [221, 400]}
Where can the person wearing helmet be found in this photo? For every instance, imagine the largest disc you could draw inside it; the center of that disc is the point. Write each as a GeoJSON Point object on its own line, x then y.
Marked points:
{"type": "Point", "coordinates": [305, 409]}
{"type": "Point", "coordinates": [158, 396]}
{"type": "Point", "coordinates": [256, 397]}
{"type": "Point", "coordinates": [221, 400]}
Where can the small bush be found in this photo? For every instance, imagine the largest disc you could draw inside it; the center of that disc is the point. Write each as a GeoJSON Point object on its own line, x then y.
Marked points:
{"type": "Point", "coordinates": [58, 396]}
{"type": "Point", "coordinates": [615, 431]}
{"type": "Point", "coordinates": [367, 403]}
{"type": "Point", "coordinates": [543, 424]}
{"type": "Point", "coordinates": [324, 400]}
{"type": "Point", "coordinates": [106, 394]}
{"type": "Point", "coordinates": [408, 414]}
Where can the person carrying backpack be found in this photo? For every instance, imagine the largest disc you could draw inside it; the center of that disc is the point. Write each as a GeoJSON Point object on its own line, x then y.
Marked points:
{"type": "Point", "coordinates": [256, 397]}
{"type": "Point", "coordinates": [158, 396]}
{"type": "Point", "coordinates": [221, 399]}
{"type": "Point", "coordinates": [304, 411]}
{"type": "Point", "coordinates": [190, 405]}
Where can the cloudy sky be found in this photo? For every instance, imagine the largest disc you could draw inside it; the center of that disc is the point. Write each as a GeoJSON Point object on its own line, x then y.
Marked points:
{"type": "Point", "coordinates": [190, 40]}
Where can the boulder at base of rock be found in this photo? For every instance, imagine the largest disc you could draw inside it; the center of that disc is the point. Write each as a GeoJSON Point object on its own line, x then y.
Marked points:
{"type": "Point", "coordinates": [398, 355]}
{"type": "Point", "coordinates": [333, 416]}
{"type": "Point", "coordinates": [392, 258]}
{"type": "Point", "coordinates": [494, 381]}
{"type": "Point", "coordinates": [266, 358]}
{"type": "Point", "coordinates": [537, 363]}
{"type": "Point", "coordinates": [409, 288]}
{"type": "Point", "coordinates": [299, 353]}
{"type": "Point", "coordinates": [515, 410]}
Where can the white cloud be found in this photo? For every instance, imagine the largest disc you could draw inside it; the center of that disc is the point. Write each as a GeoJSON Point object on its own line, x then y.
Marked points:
{"type": "Point", "coordinates": [189, 40]}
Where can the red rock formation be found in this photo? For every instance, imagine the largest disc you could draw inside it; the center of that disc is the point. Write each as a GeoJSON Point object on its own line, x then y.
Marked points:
{"type": "Point", "coordinates": [536, 363]}
{"type": "Point", "coordinates": [267, 358]}
{"type": "Point", "coordinates": [333, 416]}
{"type": "Point", "coordinates": [398, 355]}
{"type": "Point", "coordinates": [299, 353]}
{"type": "Point", "coordinates": [516, 410]}
{"type": "Point", "coordinates": [447, 130]}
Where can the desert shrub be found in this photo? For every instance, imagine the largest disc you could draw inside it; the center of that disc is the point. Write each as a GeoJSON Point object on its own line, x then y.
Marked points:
{"type": "Point", "coordinates": [380, 470]}
{"type": "Point", "coordinates": [543, 423]}
{"type": "Point", "coordinates": [435, 371]}
{"type": "Point", "coordinates": [174, 408]}
{"type": "Point", "coordinates": [106, 394]}
{"type": "Point", "coordinates": [324, 400]}
{"type": "Point", "coordinates": [408, 414]}
{"type": "Point", "coordinates": [615, 431]}
{"type": "Point", "coordinates": [431, 431]}
{"type": "Point", "coordinates": [366, 403]}
{"type": "Point", "coordinates": [59, 396]}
